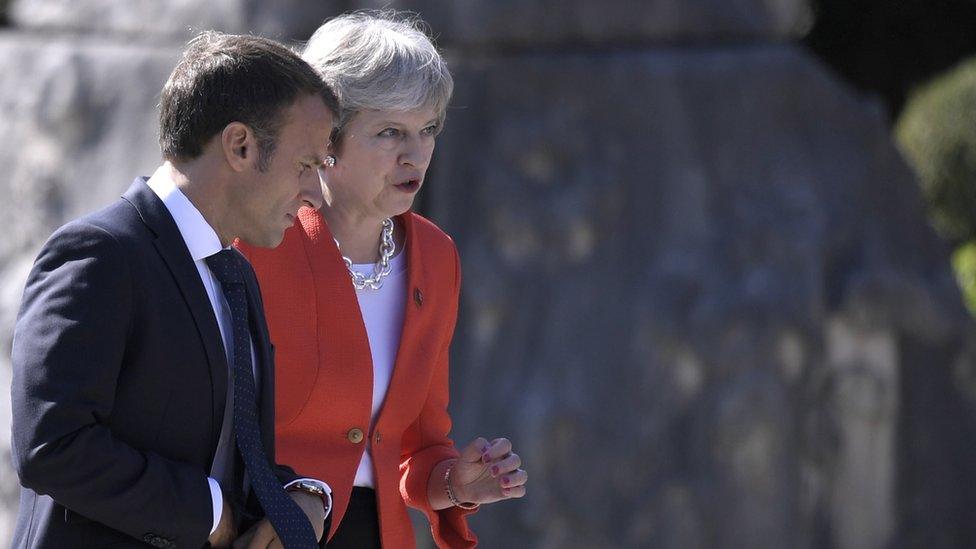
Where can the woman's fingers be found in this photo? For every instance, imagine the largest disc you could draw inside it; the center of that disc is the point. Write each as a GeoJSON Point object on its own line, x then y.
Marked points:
{"type": "Point", "coordinates": [474, 451]}
{"type": "Point", "coordinates": [499, 448]}
{"type": "Point", "coordinates": [507, 464]}
{"type": "Point", "coordinates": [506, 480]}
{"type": "Point", "coordinates": [513, 479]}
{"type": "Point", "coordinates": [514, 492]}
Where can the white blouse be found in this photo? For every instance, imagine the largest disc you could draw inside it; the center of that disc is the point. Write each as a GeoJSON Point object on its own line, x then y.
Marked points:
{"type": "Point", "coordinates": [383, 311]}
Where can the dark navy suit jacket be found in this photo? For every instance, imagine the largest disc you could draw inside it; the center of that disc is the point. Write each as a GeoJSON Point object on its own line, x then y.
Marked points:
{"type": "Point", "coordinates": [119, 385]}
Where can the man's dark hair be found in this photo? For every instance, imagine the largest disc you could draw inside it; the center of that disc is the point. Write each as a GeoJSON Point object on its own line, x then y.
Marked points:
{"type": "Point", "coordinates": [225, 78]}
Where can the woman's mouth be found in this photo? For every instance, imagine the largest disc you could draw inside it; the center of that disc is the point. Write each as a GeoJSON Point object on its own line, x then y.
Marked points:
{"type": "Point", "coordinates": [409, 186]}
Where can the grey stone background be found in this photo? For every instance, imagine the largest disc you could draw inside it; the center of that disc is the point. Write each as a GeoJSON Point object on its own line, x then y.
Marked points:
{"type": "Point", "coordinates": [700, 292]}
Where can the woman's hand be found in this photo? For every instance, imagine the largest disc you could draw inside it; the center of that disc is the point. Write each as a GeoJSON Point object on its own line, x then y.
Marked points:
{"type": "Point", "coordinates": [488, 472]}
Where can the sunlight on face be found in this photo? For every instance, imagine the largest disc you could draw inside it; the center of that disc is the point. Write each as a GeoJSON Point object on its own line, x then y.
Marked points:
{"type": "Point", "coordinates": [382, 158]}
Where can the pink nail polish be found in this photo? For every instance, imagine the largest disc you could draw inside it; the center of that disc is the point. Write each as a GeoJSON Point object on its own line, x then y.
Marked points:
{"type": "Point", "coordinates": [505, 491]}
{"type": "Point", "coordinates": [505, 480]}
{"type": "Point", "coordinates": [494, 470]}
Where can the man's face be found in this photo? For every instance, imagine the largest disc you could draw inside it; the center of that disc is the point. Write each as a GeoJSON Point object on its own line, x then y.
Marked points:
{"type": "Point", "coordinates": [270, 199]}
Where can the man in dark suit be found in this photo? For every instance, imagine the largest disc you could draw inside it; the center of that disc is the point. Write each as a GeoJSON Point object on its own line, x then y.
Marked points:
{"type": "Point", "coordinates": [143, 390]}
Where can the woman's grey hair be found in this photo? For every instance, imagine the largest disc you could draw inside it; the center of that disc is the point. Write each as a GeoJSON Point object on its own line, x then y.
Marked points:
{"type": "Point", "coordinates": [380, 60]}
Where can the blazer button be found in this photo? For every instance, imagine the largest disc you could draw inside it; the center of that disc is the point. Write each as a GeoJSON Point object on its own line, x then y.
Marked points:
{"type": "Point", "coordinates": [418, 297]}
{"type": "Point", "coordinates": [355, 436]}
{"type": "Point", "coordinates": [376, 439]}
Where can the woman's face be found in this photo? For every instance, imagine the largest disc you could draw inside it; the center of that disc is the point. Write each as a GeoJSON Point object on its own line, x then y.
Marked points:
{"type": "Point", "coordinates": [381, 160]}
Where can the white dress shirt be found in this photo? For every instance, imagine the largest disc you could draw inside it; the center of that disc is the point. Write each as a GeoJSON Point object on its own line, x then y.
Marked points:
{"type": "Point", "coordinates": [202, 242]}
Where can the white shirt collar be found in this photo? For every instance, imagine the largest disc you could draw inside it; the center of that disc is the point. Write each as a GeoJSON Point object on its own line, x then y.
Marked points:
{"type": "Point", "coordinates": [200, 238]}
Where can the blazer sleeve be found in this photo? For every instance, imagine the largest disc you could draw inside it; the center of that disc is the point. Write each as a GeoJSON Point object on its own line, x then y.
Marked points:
{"type": "Point", "coordinates": [68, 349]}
{"type": "Point", "coordinates": [425, 444]}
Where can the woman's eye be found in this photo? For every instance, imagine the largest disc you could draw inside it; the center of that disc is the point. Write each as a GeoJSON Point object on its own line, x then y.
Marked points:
{"type": "Point", "coordinates": [430, 130]}
{"type": "Point", "coordinates": [389, 132]}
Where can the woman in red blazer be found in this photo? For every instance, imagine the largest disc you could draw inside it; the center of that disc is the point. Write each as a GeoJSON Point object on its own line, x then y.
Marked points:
{"type": "Point", "coordinates": [362, 299]}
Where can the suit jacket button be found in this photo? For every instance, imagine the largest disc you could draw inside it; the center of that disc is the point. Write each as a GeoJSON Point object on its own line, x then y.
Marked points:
{"type": "Point", "coordinates": [355, 436]}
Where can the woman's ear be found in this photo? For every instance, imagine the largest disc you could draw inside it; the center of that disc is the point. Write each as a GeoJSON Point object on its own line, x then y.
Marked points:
{"type": "Point", "coordinates": [333, 149]}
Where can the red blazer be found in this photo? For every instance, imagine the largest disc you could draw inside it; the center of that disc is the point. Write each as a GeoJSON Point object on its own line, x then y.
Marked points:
{"type": "Point", "coordinates": [324, 373]}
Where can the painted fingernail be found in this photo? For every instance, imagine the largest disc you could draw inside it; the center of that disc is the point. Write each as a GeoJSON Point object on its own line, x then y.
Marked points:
{"type": "Point", "coordinates": [505, 491]}
{"type": "Point", "coordinates": [484, 457]}
{"type": "Point", "coordinates": [494, 470]}
{"type": "Point", "coordinates": [505, 480]}
{"type": "Point", "coordinates": [484, 449]}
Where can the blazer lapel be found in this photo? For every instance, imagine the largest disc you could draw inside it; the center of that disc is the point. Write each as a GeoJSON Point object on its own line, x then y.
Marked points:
{"type": "Point", "coordinates": [169, 243]}
{"type": "Point", "coordinates": [339, 326]}
{"type": "Point", "coordinates": [412, 352]}
{"type": "Point", "coordinates": [335, 293]}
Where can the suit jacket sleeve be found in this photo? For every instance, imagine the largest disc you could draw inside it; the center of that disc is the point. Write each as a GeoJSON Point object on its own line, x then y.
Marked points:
{"type": "Point", "coordinates": [69, 347]}
{"type": "Point", "coordinates": [426, 443]}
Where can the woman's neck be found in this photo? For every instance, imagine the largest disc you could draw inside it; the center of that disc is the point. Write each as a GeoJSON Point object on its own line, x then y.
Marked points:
{"type": "Point", "coordinates": [359, 237]}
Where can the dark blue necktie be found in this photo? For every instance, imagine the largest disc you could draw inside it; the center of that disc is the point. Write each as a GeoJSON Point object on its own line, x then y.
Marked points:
{"type": "Point", "coordinates": [286, 516]}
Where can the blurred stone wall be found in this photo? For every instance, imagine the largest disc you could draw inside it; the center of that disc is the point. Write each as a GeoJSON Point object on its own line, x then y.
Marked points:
{"type": "Point", "coordinates": [700, 293]}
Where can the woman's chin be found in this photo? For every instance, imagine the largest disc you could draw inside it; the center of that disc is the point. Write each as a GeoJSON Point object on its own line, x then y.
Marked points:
{"type": "Point", "coordinates": [401, 207]}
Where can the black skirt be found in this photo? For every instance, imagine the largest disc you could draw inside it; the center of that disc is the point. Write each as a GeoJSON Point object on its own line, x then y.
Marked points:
{"type": "Point", "coordinates": [360, 526]}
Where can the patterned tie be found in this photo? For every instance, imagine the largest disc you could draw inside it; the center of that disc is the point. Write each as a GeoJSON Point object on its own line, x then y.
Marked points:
{"type": "Point", "coordinates": [288, 519]}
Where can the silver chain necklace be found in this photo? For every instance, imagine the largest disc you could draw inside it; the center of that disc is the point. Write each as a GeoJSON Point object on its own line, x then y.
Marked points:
{"type": "Point", "coordinates": [382, 267]}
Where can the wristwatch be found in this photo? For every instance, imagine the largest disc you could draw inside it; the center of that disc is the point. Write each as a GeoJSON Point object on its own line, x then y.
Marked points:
{"type": "Point", "coordinates": [316, 490]}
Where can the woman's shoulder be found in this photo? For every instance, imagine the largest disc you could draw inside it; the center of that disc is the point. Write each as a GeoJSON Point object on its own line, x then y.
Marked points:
{"type": "Point", "coordinates": [432, 238]}
{"type": "Point", "coordinates": [436, 250]}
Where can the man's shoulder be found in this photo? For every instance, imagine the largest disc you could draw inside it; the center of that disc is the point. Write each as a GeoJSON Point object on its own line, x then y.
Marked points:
{"type": "Point", "coordinates": [119, 218]}
{"type": "Point", "coordinates": [112, 234]}
{"type": "Point", "coordinates": [117, 221]}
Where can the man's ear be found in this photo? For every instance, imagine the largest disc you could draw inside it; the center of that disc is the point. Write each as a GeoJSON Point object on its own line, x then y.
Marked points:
{"type": "Point", "coordinates": [239, 146]}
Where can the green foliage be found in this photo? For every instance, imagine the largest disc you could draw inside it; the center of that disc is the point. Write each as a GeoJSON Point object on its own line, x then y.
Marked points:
{"type": "Point", "coordinates": [964, 263]}
{"type": "Point", "coordinates": [937, 133]}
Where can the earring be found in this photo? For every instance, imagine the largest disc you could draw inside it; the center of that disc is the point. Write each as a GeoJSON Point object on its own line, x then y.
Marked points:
{"type": "Point", "coordinates": [330, 160]}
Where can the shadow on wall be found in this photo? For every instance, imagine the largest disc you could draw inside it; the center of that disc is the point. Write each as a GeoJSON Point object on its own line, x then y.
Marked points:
{"type": "Point", "coordinates": [891, 47]}
{"type": "Point", "coordinates": [701, 272]}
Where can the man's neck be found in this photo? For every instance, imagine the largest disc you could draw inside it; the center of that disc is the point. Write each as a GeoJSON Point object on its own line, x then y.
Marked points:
{"type": "Point", "coordinates": [196, 180]}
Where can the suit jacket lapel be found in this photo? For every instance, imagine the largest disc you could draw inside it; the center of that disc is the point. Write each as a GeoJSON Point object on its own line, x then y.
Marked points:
{"type": "Point", "coordinates": [169, 243]}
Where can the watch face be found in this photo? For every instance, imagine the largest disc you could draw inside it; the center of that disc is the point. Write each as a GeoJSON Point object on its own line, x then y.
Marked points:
{"type": "Point", "coordinates": [315, 490]}
{"type": "Point", "coordinates": [309, 487]}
